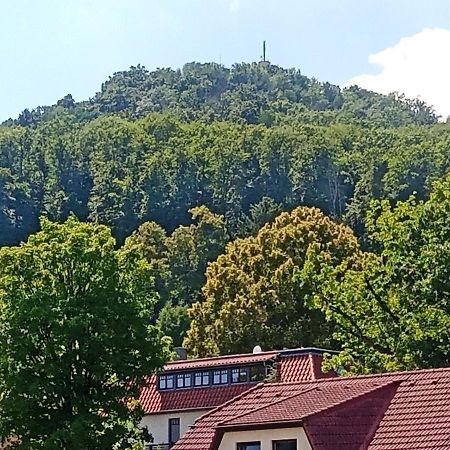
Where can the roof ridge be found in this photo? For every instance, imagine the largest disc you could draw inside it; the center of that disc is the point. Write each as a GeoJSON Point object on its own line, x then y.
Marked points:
{"type": "Point", "coordinates": [282, 352]}
{"type": "Point", "coordinates": [270, 404]}
{"type": "Point", "coordinates": [339, 403]}
{"type": "Point", "coordinates": [306, 351]}
{"type": "Point", "coordinates": [405, 373]}
{"type": "Point", "coordinates": [212, 358]}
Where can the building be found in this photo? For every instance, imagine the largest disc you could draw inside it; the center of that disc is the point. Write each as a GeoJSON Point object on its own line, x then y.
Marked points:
{"type": "Point", "coordinates": [397, 411]}
{"type": "Point", "coordinates": [187, 389]}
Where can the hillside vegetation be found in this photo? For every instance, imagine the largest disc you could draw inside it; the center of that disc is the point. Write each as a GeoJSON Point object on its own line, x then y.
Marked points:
{"type": "Point", "coordinates": [186, 165]}
{"type": "Point", "coordinates": [244, 93]}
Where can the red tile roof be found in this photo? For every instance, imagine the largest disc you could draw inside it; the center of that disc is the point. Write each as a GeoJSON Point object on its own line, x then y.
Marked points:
{"type": "Point", "coordinates": [409, 410]}
{"type": "Point", "coordinates": [228, 360]}
{"type": "Point", "coordinates": [154, 401]}
{"type": "Point", "coordinates": [351, 425]}
{"type": "Point", "coordinates": [418, 417]}
{"type": "Point", "coordinates": [310, 400]}
{"type": "Point", "coordinates": [293, 365]}
{"type": "Point", "coordinates": [294, 368]}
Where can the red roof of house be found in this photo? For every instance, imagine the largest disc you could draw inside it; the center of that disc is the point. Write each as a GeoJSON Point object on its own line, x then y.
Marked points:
{"type": "Point", "coordinates": [218, 361]}
{"type": "Point", "coordinates": [292, 365]}
{"type": "Point", "coordinates": [408, 410]}
{"type": "Point", "coordinates": [303, 403]}
{"type": "Point", "coordinates": [154, 401]}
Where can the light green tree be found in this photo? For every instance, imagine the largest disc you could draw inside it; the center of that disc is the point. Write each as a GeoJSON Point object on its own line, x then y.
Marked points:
{"type": "Point", "coordinates": [250, 296]}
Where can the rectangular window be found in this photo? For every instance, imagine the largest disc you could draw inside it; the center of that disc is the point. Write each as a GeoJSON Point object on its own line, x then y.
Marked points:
{"type": "Point", "coordinates": [288, 444]}
{"type": "Point", "coordinates": [224, 376]}
{"type": "Point", "coordinates": [174, 430]}
{"type": "Point", "coordinates": [202, 378]}
{"type": "Point", "coordinates": [166, 382]}
{"type": "Point", "coordinates": [184, 380]}
{"type": "Point", "coordinates": [220, 376]}
{"type": "Point", "coordinates": [257, 373]}
{"type": "Point", "coordinates": [239, 375]}
{"type": "Point", "coordinates": [249, 446]}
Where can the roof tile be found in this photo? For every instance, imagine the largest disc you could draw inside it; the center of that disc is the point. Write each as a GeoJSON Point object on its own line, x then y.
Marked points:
{"type": "Point", "coordinates": [295, 368]}
{"type": "Point", "coordinates": [154, 401]}
{"type": "Point", "coordinates": [409, 410]}
{"type": "Point", "coordinates": [227, 360]}
{"type": "Point", "coordinates": [297, 365]}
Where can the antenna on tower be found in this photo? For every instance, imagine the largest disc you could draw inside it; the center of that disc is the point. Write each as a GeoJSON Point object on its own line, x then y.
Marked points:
{"type": "Point", "coordinates": [264, 61]}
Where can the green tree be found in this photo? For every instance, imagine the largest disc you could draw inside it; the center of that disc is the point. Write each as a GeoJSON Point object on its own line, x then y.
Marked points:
{"type": "Point", "coordinates": [249, 295]}
{"type": "Point", "coordinates": [173, 321]}
{"type": "Point", "coordinates": [260, 213]}
{"type": "Point", "coordinates": [179, 262]}
{"type": "Point", "coordinates": [390, 311]}
{"type": "Point", "coordinates": [75, 338]}
{"type": "Point", "coordinates": [190, 249]}
{"type": "Point", "coordinates": [16, 212]}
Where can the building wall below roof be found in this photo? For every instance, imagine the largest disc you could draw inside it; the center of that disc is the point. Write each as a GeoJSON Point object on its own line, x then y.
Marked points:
{"type": "Point", "coordinates": [266, 437]}
{"type": "Point", "coordinates": [158, 424]}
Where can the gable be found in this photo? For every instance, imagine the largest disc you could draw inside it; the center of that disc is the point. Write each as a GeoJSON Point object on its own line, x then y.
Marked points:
{"type": "Point", "coordinates": [351, 425]}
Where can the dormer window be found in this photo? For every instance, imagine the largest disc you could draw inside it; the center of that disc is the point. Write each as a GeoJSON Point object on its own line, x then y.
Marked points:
{"type": "Point", "coordinates": [249, 446]}
{"type": "Point", "coordinates": [220, 376]}
{"type": "Point", "coordinates": [239, 375]}
{"type": "Point", "coordinates": [288, 444]}
{"type": "Point", "coordinates": [166, 382]}
{"type": "Point", "coordinates": [184, 380]}
{"type": "Point", "coordinates": [201, 378]}
{"type": "Point", "coordinates": [215, 377]}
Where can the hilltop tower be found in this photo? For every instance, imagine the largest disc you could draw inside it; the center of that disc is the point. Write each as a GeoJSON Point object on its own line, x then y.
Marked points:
{"type": "Point", "coordinates": [264, 61]}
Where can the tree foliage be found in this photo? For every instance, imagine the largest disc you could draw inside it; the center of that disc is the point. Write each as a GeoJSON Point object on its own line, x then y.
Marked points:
{"type": "Point", "coordinates": [152, 145]}
{"type": "Point", "coordinates": [179, 162]}
{"type": "Point", "coordinates": [123, 173]}
{"type": "Point", "coordinates": [249, 295]}
{"type": "Point", "coordinates": [179, 263]}
{"type": "Point", "coordinates": [390, 310]}
{"type": "Point", "coordinates": [245, 93]}
{"type": "Point", "coordinates": [75, 337]}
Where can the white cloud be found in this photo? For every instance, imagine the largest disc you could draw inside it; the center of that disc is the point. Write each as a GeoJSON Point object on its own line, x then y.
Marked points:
{"type": "Point", "coordinates": [417, 66]}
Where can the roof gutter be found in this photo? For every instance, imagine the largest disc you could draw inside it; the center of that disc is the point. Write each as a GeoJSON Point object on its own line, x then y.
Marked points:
{"type": "Point", "coordinates": [292, 423]}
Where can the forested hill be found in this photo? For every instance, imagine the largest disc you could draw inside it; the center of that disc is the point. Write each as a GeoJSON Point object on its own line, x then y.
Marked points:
{"type": "Point", "coordinates": [245, 93]}
{"type": "Point", "coordinates": [246, 142]}
{"type": "Point", "coordinates": [207, 171]}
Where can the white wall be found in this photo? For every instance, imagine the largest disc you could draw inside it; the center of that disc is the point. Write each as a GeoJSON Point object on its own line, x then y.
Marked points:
{"type": "Point", "coordinates": [230, 439]}
{"type": "Point", "coordinates": [158, 424]}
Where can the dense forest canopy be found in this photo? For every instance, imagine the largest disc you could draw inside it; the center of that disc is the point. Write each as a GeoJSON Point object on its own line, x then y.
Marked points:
{"type": "Point", "coordinates": [123, 172]}
{"type": "Point", "coordinates": [182, 163]}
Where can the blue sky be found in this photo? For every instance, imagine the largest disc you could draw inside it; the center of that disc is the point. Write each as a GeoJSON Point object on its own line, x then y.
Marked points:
{"type": "Point", "coordinates": [53, 47]}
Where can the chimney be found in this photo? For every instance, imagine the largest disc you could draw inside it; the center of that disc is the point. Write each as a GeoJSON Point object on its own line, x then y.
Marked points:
{"type": "Point", "coordinates": [181, 353]}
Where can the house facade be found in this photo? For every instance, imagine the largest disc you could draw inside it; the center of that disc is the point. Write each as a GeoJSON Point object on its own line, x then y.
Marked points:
{"type": "Point", "coordinates": [187, 389]}
{"type": "Point", "coordinates": [404, 411]}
